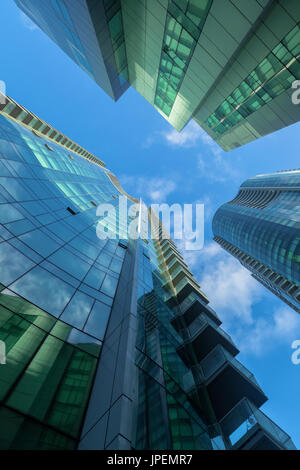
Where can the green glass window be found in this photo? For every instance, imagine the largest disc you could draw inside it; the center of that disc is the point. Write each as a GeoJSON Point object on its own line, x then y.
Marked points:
{"type": "Point", "coordinates": [292, 41]}
{"type": "Point", "coordinates": [268, 67]}
{"type": "Point", "coordinates": [253, 80]}
{"type": "Point", "coordinates": [223, 110]}
{"type": "Point", "coordinates": [114, 18]}
{"type": "Point", "coordinates": [22, 433]}
{"type": "Point", "coordinates": [116, 29]}
{"type": "Point", "coordinates": [295, 69]}
{"type": "Point", "coordinates": [251, 105]}
{"type": "Point", "coordinates": [240, 93]}
{"type": "Point", "coordinates": [234, 118]}
{"type": "Point", "coordinates": [184, 24]}
{"type": "Point", "coordinates": [212, 120]}
{"type": "Point", "coordinates": [120, 56]}
{"type": "Point", "coordinates": [21, 339]}
{"type": "Point", "coordinates": [278, 84]}
{"type": "Point", "coordinates": [59, 379]}
{"type": "Point", "coordinates": [264, 95]}
{"type": "Point", "coordinates": [282, 54]}
{"type": "Point", "coordinates": [220, 129]}
{"type": "Point", "coordinates": [269, 79]}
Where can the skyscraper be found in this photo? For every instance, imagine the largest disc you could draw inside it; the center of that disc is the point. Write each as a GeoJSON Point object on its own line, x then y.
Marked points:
{"type": "Point", "coordinates": [109, 343]}
{"type": "Point", "coordinates": [261, 228]}
{"type": "Point", "coordinates": [227, 64]}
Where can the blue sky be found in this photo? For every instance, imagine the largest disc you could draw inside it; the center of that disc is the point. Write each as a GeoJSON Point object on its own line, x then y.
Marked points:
{"type": "Point", "coordinates": [155, 162]}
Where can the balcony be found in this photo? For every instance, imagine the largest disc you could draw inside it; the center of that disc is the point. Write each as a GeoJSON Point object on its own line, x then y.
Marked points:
{"type": "Point", "coordinates": [227, 382]}
{"type": "Point", "coordinates": [190, 308]}
{"type": "Point", "coordinates": [247, 428]}
{"type": "Point", "coordinates": [171, 256]}
{"type": "Point", "coordinates": [186, 286]}
{"type": "Point", "coordinates": [201, 337]}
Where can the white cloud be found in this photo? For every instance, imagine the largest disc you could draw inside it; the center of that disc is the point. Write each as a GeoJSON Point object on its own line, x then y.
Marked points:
{"type": "Point", "coordinates": [188, 137]}
{"type": "Point", "coordinates": [214, 164]}
{"type": "Point", "coordinates": [151, 190]}
{"type": "Point", "coordinates": [196, 259]}
{"type": "Point", "coordinates": [27, 22]}
{"type": "Point", "coordinates": [282, 326]}
{"type": "Point", "coordinates": [191, 136]}
{"type": "Point", "coordinates": [211, 250]}
{"type": "Point", "coordinates": [228, 284]}
{"type": "Point", "coordinates": [218, 168]}
{"type": "Point", "coordinates": [159, 189]}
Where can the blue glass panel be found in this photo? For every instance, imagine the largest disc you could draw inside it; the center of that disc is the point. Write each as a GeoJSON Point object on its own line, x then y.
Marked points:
{"type": "Point", "coordinates": [16, 189]}
{"type": "Point", "coordinates": [70, 263]}
{"type": "Point", "coordinates": [8, 213]}
{"type": "Point", "coordinates": [40, 242]}
{"type": "Point", "coordinates": [109, 285]}
{"type": "Point", "coordinates": [96, 324]}
{"type": "Point", "coordinates": [94, 278]}
{"type": "Point", "coordinates": [44, 290]}
{"type": "Point", "coordinates": [13, 263]}
{"type": "Point", "coordinates": [77, 310]}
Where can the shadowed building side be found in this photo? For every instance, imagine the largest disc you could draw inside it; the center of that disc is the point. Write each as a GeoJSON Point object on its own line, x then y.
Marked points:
{"type": "Point", "coordinates": [229, 64]}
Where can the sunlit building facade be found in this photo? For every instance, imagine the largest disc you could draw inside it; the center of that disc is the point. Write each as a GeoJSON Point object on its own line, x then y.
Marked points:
{"type": "Point", "coordinates": [261, 228]}
{"type": "Point", "coordinates": [229, 64]}
{"type": "Point", "coordinates": [109, 343]}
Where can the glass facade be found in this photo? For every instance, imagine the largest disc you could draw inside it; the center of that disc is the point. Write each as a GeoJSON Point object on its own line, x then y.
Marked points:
{"type": "Point", "coordinates": [269, 79]}
{"type": "Point", "coordinates": [114, 19]}
{"type": "Point", "coordinates": [108, 342]}
{"type": "Point", "coordinates": [39, 128]}
{"type": "Point", "coordinates": [228, 65]}
{"type": "Point", "coordinates": [162, 375]}
{"type": "Point", "coordinates": [58, 284]}
{"type": "Point", "coordinates": [70, 25]}
{"type": "Point", "coordinates": [184, 23]}
{"type": "Point", "coordinates": [261, 228]}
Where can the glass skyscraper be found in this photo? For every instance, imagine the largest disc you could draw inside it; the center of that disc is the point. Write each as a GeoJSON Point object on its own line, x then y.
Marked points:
{"type": "Point", "coordinates": [227, 64]}
{"type": "Point", "coordinates": [109, 343]}
{"type": "Point", "coordinates": [261, 227]}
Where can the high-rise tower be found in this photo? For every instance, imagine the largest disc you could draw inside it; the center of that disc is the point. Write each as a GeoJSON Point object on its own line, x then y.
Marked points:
{"type": "Point", "coordinates": [261, 227]}
{"type": "Point", "coordinates": [109, 343]}
{"type": "Point", "coordinates": [227, 64]}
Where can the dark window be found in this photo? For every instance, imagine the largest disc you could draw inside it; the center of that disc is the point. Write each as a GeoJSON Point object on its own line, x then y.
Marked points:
{"type": "Point", "coordinates": [71, 211]}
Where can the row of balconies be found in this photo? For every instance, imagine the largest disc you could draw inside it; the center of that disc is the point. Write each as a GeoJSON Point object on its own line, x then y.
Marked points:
{"type": "Point", "coordinates": [217, 377]}
{"type": "Point", "coordinates": [245, 427]}
{"type": "Point", "coordinates": [230, 391]}
{"type": "Point", "coordinates": [201, 336]}
{"type": "Point", "coordinates": [226, 381]}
